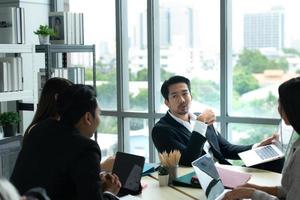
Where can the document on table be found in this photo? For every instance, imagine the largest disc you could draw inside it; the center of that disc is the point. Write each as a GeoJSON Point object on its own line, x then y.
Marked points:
{"type": "Point", "coordinates": [129, 197]}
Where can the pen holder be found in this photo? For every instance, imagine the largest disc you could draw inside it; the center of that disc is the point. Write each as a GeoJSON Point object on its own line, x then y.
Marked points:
{"type": "Point", "coordinates": [172, 173]}
{"type": "Point", "coordinates": [163, 180]}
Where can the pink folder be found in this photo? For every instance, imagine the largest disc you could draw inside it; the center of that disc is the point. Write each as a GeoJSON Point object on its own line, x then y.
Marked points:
{"type": "Point", "coordinates": [231, 178]}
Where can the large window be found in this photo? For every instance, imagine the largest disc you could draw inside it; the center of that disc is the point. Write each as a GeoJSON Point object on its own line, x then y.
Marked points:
{"type": "Point", "coordinates": [189, 33]}
{"type": "Point", "coordinates": [99, 29]}
{"type": "Point", "coordinates": [264, 54]}
{"type": "Point", "coordinates": [235, 53]}
{"type": "Point", "coordinates": [137, 69]}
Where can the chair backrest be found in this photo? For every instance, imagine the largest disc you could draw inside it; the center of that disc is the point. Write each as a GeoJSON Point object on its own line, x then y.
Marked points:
{"type": "Point", "coordinates": [9, 151]}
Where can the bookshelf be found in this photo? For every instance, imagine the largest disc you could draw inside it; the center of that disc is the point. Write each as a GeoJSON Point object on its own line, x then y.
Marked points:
{"type": "Point", "coordinates": [15, 96]}
{"type": "Point", "coordinates": [13, 100]}
{"type": "Point", "coordinates": [16, 50]}
{"type": "Point", "coordinates": [51, 49]}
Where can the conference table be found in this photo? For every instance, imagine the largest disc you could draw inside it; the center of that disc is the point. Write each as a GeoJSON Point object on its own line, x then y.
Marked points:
{"type": "Point", "coordinates": [152, 190]}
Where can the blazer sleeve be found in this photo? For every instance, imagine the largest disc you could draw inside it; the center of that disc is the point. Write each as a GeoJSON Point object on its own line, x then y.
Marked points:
{"type": "Point", "coordinates": [85, 174]}
{"type": "Point", "coordinates": [165, 139]}
{"type": "Point", "coordinates": [229, 150]}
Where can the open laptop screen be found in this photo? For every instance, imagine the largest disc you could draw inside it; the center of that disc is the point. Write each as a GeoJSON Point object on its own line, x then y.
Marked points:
{"type": "Point", "coordinates": [208, 177]}
{"type": "Point", "coordinates": [269, 152]}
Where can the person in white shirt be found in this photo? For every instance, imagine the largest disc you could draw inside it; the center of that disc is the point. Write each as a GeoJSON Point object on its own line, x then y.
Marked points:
{"type": "Point", "coordinates": [194, 135]}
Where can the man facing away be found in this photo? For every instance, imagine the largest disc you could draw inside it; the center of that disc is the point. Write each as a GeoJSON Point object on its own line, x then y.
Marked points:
{"type": "Point", "coordinates": [195, 135]}
{"type": "Point", "coordinates": [60, 156]}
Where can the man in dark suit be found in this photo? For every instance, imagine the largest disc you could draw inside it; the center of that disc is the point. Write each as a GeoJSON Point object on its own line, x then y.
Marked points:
{"type": "Point", "coordinates": [195, 135]}
{"type": "Point", "coordinates": [60, 156]}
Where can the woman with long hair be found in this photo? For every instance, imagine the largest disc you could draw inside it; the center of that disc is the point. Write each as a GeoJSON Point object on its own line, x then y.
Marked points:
{"type": "Point", "coordinates": [47, 103]}
{"type": "Point", "coordinates": [289, 110]}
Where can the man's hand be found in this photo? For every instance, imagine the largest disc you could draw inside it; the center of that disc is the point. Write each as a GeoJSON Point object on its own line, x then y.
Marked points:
{"type": "Point", "coordinates": [207, 116]}
{"type": "Point", "coordinates": [110, 182]}
{"type": "Point", "coordinates": [239, 193]}
{"type": "Point", "coordinates": [107, 165]}
{"type": "Point", "coordinates": [268, 140]}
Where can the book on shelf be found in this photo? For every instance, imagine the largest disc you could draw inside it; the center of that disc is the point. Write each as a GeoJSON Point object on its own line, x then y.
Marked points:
{"type": "Point", "coordinates": [76, 75]}
{"type": "Point", "coordinates": [20, 73]}
{"type": "Point", "coordinates": [12, 28]}
{"type": "Point", "coordinates": [68, 27]}
{"type": "Point", "coordinates": [11, 74]}
{"type": "Point", "coordinates": [3, 77]}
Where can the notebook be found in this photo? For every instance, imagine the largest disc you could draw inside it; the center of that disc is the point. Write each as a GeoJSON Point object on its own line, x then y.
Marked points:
{"type": "Point", "coordinates": [269, 152]}
{"type": "Point", "coordinates": [232, 179]}
{"type": "Point", "coordinates": [209, 178]}
{"type": "Point", "coordinates": [149, 168]}
{"type": "Point", "coordinates": [186, 181]}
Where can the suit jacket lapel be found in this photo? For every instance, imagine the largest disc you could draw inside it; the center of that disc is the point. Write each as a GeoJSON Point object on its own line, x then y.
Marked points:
{"type": "Point", "coordinates": [212, 139]}
{"type": "Point", "coordinates": [175, 124]}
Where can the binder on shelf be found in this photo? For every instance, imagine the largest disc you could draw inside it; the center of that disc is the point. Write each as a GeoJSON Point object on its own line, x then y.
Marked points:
{"type": "Point", "coordinates": [3, 77]}
{"type": "Point", "coordinates": [9, 72]}
{"type": "Point", "coordinates": [65, 73]}
{"type": "Point", "coordinates": [20, 73]}
{"type": "Point", "coordinates": [12, 25]}
{"type": "Point", "coordinates": [72, 74]}
{"type": "Point", "coordinates": [81, 28]}
{"type": "Point", "coordinates": [80, 75]}
{"type": "Point", "coordinates": [14, 76]}
{"type": "Point", "coordinates": [13, 73]}
{"type": "Point", "coordinates": [20, 19]}
{"type": "Point", "coordinates": [77, 28]}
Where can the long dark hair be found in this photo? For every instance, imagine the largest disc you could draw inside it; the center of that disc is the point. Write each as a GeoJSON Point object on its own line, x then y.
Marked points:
{"type": "Point", "coordinates": [289, 98]}
{"type": "Point", "coordinates": [47, 103]}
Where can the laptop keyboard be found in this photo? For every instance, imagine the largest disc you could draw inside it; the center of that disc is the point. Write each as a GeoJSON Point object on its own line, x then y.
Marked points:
{"type": "Point", "coordinates": [267, 152]}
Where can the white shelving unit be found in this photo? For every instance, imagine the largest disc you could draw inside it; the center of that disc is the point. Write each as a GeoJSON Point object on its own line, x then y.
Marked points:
{"type": "Point", "coordinates": [16, 49]}
{"type": "Point", "coordinates": [10, 101]}
{"type": "Point", "coordinates": [15, 96]}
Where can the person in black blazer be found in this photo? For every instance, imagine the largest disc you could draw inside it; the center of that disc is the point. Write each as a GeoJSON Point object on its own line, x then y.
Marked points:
{"type": "Point", "coordinates": [60, 157]}
{"type": "Point", "coordinates": [194, 135]}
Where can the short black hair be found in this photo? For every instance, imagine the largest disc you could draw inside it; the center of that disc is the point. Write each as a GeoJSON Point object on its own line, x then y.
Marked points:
{"type": "Point", "coordinates": [289, 98]}
{"type": "Point", "coordinates": [75, 101]}
{"type": "Point", "coordinates": [173, 80]}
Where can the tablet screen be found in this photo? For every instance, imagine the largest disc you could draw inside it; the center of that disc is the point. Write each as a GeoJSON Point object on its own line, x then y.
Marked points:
{"type": "Point", "coordinates": [129, 168]}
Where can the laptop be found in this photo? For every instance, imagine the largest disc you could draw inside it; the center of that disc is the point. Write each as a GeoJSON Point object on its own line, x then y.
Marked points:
{"type": "Point", "coordinates": [270, 152]}
{"type": "Point", "coordinates": [209, 178]}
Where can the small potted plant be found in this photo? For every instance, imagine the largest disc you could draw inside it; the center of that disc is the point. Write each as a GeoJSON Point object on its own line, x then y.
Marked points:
{"type": "Point", "coordinates": [44, 33]}
{"type": "Point", "coordinates": [163, 176]}
{"type": "Point", "coordinates": [8, 121]}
